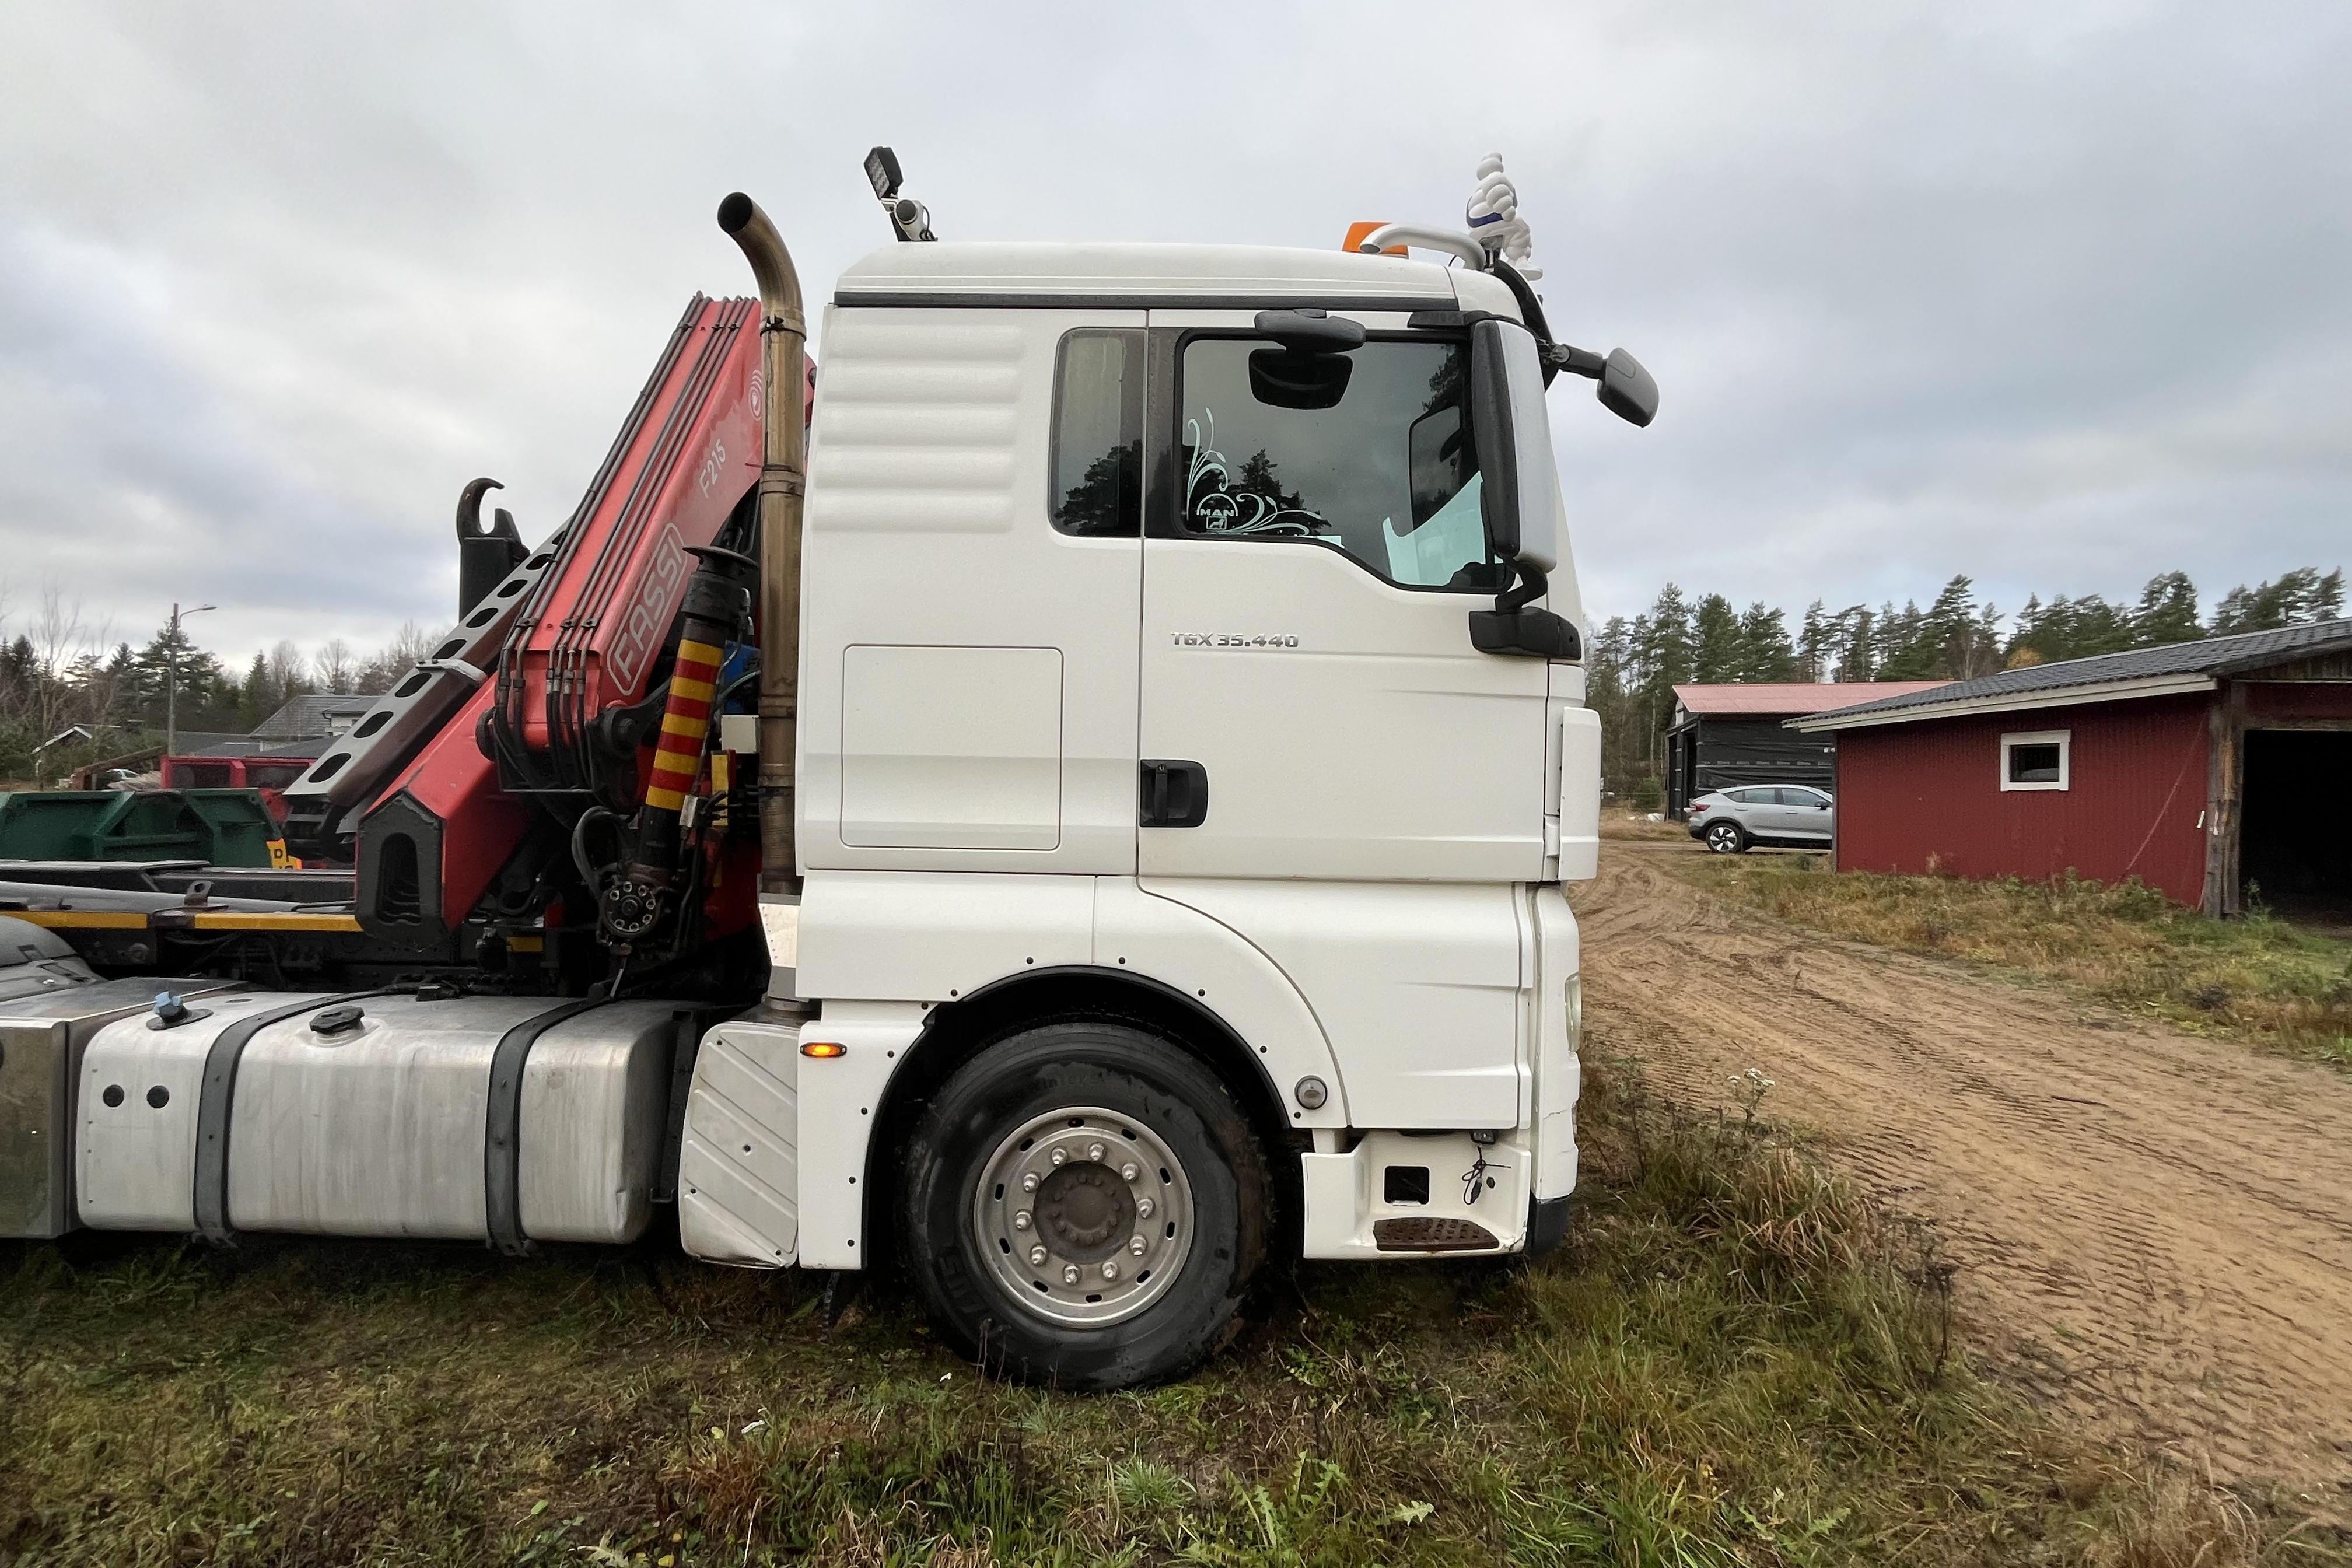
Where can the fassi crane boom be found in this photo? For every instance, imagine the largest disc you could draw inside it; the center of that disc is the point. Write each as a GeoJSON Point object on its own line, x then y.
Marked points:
{"type": "Point", "coordinates": [560, 728]}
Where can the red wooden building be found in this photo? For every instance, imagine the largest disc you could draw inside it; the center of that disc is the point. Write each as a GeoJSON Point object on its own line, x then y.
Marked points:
{"type": "Point", "coordinates": [2209, 770]}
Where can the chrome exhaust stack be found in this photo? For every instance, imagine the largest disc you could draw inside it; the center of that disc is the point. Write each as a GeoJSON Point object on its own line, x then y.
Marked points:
{"type": "Point", "coordinates": [783, 336]}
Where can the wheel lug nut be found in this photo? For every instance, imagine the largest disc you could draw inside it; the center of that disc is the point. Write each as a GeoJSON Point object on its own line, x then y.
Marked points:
{"type": "Point", "coordinates": [1143, 1206]}
{"type": "Point", "coordinates": [1110, 1270]}
{"type": "Point", "coordinates": [1070, 1274]}
{"type": "Point", "coordinates": [1060, 1155]}
{"type": "Point", "coordinates": [1021, 1220]}
{"type": "Point", "coordinates": [1136, 1246]}
{"type": "Point", "coordinates": [1095, 1153]}
{"type": "Point", "coordinates": [1036, 1258]}
{"type": "Point", "coordinates": [1128, 1171]}
{"type": "Point", "coordinates": [1029, 1183]}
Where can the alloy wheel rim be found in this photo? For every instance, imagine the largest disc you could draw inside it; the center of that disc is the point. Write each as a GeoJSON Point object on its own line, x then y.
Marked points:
{"type": "Point", "coordinates": [1083, 1217]}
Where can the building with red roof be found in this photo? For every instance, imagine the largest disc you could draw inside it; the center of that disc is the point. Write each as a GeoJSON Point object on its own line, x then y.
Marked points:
{"type": "Point", "coordinates": [1730, 734]}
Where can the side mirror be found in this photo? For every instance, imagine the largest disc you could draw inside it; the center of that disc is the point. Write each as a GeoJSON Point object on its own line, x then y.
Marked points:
{"type": "Point", "coordinates": [1520, 490]}
{"type": "Point", "coordinates": [1626, 389]}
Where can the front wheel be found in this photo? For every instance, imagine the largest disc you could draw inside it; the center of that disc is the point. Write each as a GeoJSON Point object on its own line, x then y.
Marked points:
{"type": "Point", "coordinates": [1085, 1205]}
{"type": "Point", "coordinates": [1726, 838]}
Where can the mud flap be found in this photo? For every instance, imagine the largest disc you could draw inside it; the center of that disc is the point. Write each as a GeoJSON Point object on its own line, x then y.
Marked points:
{"type": "Point", "coordinates": [739, 1164]}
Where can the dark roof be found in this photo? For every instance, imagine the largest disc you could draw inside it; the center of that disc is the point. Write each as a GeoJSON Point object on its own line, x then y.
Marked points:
{"type": "Point", "coordinates": [214, 743]}
{"type": "Point", "coordinates": [2208, 656]}
{"type": "Point", "coordinates": [306, 718]}
{"type": "Point", "coordinates": [1766, 698]}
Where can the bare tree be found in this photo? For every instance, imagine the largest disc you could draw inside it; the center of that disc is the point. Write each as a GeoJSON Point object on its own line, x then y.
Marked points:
{"type": "Point", "coordinates": [62, 635]}
{"type": "Point", "coordinates": [380, 673]}
{"type": "Point", "coordinates": [332, 666]}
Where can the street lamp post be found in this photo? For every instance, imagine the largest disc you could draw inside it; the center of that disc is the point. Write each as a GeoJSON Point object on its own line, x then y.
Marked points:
{"type": "Point", "coordinates": [171, 677]}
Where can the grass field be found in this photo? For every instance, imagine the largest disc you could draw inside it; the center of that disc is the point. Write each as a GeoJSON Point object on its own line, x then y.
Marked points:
{"type": "Point", "coordinates": [2259, 978]}
{"type": "Point", "coordinates": [1734, 1360]}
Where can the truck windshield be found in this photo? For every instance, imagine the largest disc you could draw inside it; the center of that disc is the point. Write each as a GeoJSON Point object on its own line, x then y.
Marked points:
{"type": "Point", "coordinates": [1388, 473]}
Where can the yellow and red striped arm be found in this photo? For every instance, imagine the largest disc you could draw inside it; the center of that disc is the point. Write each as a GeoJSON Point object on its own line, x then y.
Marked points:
{"type": "Point", "coordinates": [679, 755]}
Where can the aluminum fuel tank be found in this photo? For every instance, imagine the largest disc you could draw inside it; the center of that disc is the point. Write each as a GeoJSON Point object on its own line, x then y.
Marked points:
{"type": "Point", "coordinates": [43, 1034]}
{"type": "Point", "coordinates": [505, 1118]}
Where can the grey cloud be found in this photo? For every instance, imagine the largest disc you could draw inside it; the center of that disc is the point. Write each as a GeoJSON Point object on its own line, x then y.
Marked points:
{"type": "Point", "coordinates": [2050, 293]}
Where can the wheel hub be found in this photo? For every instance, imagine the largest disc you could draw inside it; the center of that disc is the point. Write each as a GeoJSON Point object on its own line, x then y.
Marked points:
{"type": "Point", "coordinates": [1084, 1217]}
{"type": "Point", "coordinates": [1085, 1212]}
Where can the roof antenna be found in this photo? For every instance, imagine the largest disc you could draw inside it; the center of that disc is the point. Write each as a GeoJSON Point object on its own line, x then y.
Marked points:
{"type": "Point", "coordinates": [909, 219]}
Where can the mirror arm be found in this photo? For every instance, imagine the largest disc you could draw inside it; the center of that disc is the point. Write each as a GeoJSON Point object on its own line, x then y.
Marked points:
{"type": "Point", "coordinates": [1532, 585]}
{"type": "Point", "coordinates": [1531, 313]}
{"type": "Point", "coordinates": [1576, 361]}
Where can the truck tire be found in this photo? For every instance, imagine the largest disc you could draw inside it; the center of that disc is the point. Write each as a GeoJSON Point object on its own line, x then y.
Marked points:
{"type": "Point", "coordinates": [1084, 1205]}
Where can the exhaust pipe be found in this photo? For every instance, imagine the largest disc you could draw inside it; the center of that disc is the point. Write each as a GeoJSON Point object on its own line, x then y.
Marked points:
{"type": "Point", "coordinates": [783, 332]}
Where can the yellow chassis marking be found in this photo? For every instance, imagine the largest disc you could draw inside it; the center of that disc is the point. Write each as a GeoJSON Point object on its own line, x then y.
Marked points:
{"type": "Point", "coordinates": [269, 920]}
{"type": "Point", "coordinates": [175, 917]}
{"type": "Point", "coordinates": [83, 920]}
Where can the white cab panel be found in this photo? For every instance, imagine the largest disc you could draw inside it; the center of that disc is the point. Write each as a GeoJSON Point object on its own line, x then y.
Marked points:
{"type": "Point", "coordinates": [1580, 794]}
{"type": "Point", "coordinates": [1416, 986]}
{"type": "Point", "coordinates": [952, 748]}
{"type": "Point", "coordinates": [923, 937]}
{"type": "Point", "coordinates": [927, 528]}
{"type": "Point", "coordinates": [915, 936]}
{"type": "Point", "coordinates": [1381, 747]}
{"type": "Point", "coordinates": [980, 269]}
{"type": "Point", "coordinates": [839, 1098]}
{"type": "Point", "coordinates": [1560, 1026]}
{"type": "Point", "coordinates": [738, 1165]}
{"type": "Point", "coordinates": [1161, 939]}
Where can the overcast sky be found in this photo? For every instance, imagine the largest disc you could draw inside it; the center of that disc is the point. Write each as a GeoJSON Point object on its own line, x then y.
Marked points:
{"type": "Point", "coordinates": [2057, 295]}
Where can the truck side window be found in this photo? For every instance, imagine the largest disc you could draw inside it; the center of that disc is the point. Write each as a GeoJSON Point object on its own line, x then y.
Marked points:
{"type": "Point", "coordinates": [1099, 433]}
{"type": "Point", "coordinates": [1369, 453]}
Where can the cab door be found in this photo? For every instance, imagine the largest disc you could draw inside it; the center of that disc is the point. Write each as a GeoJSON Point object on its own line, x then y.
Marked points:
{"type": "Point", "coordinates": [1307, 581]}
{"type": "Point", "coordinates": [1327, 766]}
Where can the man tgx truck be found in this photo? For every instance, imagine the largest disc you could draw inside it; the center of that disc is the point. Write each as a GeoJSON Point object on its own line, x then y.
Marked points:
{"type": "Point", "coordinates": [1070, 802]}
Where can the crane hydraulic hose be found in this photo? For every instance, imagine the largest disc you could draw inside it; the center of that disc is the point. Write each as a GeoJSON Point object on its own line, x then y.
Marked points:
{"type": "Point", "coordinates": [713, 611]}
{"type": "Point", "coordinates": [783, 332]}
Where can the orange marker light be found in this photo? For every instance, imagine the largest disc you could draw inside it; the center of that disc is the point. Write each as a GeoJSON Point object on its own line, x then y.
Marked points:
{"type": "Point", "coordinates": [1356, 233]}
{"type": "Point", "coordinates": [824, 1049]}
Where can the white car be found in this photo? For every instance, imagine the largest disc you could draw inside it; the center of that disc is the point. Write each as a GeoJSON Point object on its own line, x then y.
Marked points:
{"type": "Point", "coordinates": [1728, 821]}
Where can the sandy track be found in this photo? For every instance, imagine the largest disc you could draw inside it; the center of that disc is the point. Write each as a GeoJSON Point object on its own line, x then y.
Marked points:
{"type": "Point", "coordinates": [2154, 1231]}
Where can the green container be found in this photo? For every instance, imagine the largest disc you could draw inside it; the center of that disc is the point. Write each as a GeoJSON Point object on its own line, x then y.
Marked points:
{"type": "Point", "coordinates": [218, 826]}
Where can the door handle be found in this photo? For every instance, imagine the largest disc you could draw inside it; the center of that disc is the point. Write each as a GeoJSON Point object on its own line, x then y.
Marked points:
{"type": "Point", "coordinates": [1175, 794]}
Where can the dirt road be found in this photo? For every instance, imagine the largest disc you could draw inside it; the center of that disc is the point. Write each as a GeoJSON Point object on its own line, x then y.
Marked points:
{"type": "Point", "coordinates": [2154, 1231]}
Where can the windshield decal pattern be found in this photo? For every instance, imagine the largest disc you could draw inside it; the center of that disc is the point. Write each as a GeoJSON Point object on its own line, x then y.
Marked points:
{"type": "Point", "coordinates": [1215, 504]}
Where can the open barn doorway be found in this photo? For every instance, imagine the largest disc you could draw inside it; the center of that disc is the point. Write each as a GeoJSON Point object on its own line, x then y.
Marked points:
{"type": "Point", "coordinates": [2294, 848]}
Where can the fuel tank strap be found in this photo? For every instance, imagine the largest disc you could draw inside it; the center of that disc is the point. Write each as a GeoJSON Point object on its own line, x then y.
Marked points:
{"type": "Point", "coordinates": [216, 1096]}
{"type": "Point", "coordinates": [502, 1139]}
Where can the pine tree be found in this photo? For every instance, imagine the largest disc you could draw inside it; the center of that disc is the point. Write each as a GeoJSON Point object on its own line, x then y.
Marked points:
{"type": "Point", "coordinates": [1818, 642]}
{"type": "Point", "coordinates": [1715, 638]}
{"type": "Point", "coordinates": [2167, 612]}
{"type": "Point", "coordinates": [1765, 651]}
{"type": "Point", "coordinates": [257, 700]}
{"type": "Point", "coordinates": [2296, 597]}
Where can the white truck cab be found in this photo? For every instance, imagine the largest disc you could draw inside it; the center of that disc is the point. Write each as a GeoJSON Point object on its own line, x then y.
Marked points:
{"type": "Point", "coordinates": [1139, 685]}
{"type": "Point", "coordinates": [1171, 747]}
